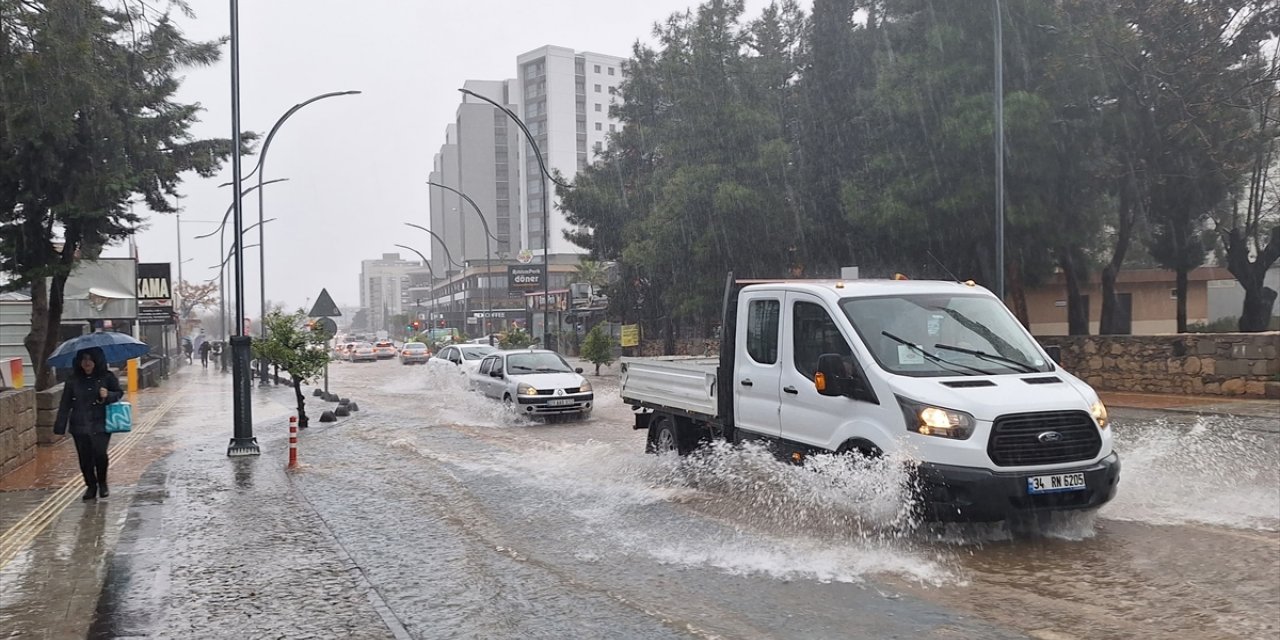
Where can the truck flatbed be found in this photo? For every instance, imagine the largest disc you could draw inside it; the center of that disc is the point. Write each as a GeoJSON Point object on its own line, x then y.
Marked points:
{"type": "Point", "coordinates": [687, 383]}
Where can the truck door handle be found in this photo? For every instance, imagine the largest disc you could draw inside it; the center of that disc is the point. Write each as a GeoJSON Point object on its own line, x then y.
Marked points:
{"type": "Point", "coordinates": [790, 389]}
{"type": "Point", "coordinates": [746, 382]}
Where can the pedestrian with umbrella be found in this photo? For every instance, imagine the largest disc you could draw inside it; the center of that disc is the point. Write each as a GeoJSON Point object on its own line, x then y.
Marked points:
{"type": "Point", "coordinates": [85, 396]}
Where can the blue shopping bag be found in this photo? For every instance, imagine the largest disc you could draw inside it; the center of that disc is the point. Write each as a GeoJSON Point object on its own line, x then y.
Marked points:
{"type": "Point", "coordinates": [119, 417]}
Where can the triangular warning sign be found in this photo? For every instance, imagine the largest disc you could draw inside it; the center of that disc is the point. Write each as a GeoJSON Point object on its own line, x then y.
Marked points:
{"type": "Point", "coordinates": [324, 306]}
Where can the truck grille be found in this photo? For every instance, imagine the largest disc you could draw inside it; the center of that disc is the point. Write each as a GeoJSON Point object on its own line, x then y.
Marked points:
{"type": "Point", "coordinates": [1015, 439]}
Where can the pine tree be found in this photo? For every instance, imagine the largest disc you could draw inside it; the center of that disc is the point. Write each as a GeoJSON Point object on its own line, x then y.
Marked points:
{"type": "Point", "coordinates": [597, 348]}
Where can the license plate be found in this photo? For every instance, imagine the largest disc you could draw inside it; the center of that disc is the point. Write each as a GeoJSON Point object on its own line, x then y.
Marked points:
{"type": "Point", "coordinates": [560, 402]}
{"type": "Point", "coordinates": [1055, 483]}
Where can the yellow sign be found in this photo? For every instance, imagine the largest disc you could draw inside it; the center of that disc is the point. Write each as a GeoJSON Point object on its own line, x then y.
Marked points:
{"type": "Point", "coordinates": [630, 335]}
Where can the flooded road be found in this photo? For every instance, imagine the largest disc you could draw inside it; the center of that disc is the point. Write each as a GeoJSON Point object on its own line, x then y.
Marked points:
{"type": "Point", "coordinates": [570, 530]}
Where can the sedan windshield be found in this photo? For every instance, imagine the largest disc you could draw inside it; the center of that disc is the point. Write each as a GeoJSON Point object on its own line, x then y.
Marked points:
{"type": "Point", "coordinates": [943, 335]}
{"type": "Point", "coordinates": [477, 353]}
{"type": "Point", "coordinates": [519, 363]}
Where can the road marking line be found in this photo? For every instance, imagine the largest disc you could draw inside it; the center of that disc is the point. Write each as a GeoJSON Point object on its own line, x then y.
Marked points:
{"type": "Point", "coordinates": [13, 541]}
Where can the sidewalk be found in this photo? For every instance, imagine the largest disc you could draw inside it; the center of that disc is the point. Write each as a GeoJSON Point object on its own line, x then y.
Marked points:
{"type": "Point", "coordinates": [1205, 405]}
{"type": "Point", "coordinates": [191, 543]}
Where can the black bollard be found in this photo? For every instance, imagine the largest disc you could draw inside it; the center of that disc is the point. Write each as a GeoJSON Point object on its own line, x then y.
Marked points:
{"type": "Point", "coordinates": [353, 407]}
{"type": "Point", "coordinates": [317, 392]}
{"type": "Point", "coordinates": [344, 401]}
{"type": "Point", "coordinates": [341, 411]}
{"type": "Point", "coordinates": [328, 417]}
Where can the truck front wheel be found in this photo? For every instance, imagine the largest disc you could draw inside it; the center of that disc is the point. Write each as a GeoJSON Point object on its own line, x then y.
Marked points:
{"type": "Point", "coordinates": [665, 436]}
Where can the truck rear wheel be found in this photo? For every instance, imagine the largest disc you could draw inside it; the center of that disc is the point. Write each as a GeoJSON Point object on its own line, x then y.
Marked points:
{"type": "Point", "coordinates": [665, 436]}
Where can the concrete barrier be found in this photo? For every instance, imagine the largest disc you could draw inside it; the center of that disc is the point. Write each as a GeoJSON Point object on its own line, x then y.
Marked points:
{"type": "Point", "coordinates": [47, 413]}
{"type": "Point", "coordinates": [18, 438]}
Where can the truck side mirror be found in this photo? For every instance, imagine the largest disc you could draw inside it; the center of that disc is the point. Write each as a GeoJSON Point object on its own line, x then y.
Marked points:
{"type": "Point", "coordinates": [830, 378]}
{"type": "Point", "coordinates": [1054, 351]}
{"type": "Point", "coordinates": [833, 379]}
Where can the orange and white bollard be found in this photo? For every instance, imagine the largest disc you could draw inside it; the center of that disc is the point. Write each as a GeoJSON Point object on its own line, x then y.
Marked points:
{"type": "Point", "coordinates": [293, 442]}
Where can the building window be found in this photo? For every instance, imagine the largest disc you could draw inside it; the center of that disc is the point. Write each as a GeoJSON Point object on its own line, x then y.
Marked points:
{"type": "Point", "coordinates": [613, 128]}
{"type": "Point", "coordinates": [598, 126]}
{"type": "Point", "coordinates": [598, 107]}
{"type": "Point", "coordinates": [598, 147]}
{"type": "Point", "coordinates": [598, 69]}
{"type": "Point", "coordinates": [597, 88]}
{"type": "Point", "coordinates": [610, 70]}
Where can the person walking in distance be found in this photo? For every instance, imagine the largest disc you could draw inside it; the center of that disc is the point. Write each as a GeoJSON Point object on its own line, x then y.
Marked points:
{"type": "Point", "coordinates": [204, 353]}
{"type": "Point", "coordinates": [83, 412]}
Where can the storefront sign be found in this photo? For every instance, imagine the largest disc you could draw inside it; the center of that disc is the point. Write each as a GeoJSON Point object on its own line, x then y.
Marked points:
{"type": "Point", "coordinates": [155, 294]}
{"type": "Point", "coordinates": [520, 277]}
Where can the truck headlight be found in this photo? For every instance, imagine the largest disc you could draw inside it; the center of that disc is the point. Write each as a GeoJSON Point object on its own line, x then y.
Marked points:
{"type": "Point", "coordinates": [585, 386]}
{"type": "Point", "coordinates": [928, 420]}
{"type": "Point", "coordinates": [526, 389]}
{"type": "Point", "coordinates": [1099, 412]}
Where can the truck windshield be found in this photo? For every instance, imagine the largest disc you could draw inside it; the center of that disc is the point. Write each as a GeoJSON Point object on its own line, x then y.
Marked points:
{"type": "Point", "coordinates": [943, 335]}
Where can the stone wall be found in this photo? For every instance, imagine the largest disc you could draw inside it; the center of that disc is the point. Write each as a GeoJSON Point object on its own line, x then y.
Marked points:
{"type": "Point", "coordinates": [46, 413]}
{"type": "Point", "coordinates": [1228, 364]}
{"type": "Point", "coordinates": [17, 429]}
{"type": "Point", "coordinates": [684, 347]}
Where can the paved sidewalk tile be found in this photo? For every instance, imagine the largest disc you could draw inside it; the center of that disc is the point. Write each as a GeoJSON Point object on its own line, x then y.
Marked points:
{"type": "Point", "coordinates": [191, 543]}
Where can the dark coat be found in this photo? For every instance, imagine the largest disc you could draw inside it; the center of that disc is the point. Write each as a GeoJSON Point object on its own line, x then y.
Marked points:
{"type": "Point", "coordinates": [81, 410]}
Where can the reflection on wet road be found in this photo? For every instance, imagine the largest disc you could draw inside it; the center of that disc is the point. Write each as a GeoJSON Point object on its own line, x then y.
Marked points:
{"type": "Point", "coordinates": [557, 530]}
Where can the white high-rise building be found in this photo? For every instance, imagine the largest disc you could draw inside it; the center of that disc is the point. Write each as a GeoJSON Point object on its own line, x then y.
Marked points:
{"type": "Point", "coordinates": [564, 98]}
{"type": "Point", "coordinates": [384, 287]}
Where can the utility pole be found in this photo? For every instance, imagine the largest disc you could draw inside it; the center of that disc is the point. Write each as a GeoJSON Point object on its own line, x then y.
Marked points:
{"type": "Point", "coordinates": [242, 442]}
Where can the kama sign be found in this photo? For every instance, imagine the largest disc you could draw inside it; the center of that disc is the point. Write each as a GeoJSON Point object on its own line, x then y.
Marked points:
{"type": "Point", "coordinates": [524, 277]}
{"type": "Point", "coordinates": [155, 293]}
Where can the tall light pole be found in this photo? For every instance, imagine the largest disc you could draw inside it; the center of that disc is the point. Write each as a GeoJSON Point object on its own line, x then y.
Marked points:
{"type": "Point", "coordinates": [447, 256]}
{"type": "Point", "coordinates": [999, 118]}
{"type": "Point", "coordinates": [546, 214]}
{"type": "Point", "coordinates": [222, 296]}
{"type": "Point", "coordinates": [242, 441]}
{"type": "Point", "coordinates": [488, 265]}
{"type": "Point", "coordinates": [262, 253]}
{"type": "Point", "coordinates": [427, 264]}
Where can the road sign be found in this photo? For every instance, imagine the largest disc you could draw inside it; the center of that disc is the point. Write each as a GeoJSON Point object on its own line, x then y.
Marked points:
{"type": "Point", "coordinates": [327, 326]}
{"type": "Point", "coordinates": [324, 306]}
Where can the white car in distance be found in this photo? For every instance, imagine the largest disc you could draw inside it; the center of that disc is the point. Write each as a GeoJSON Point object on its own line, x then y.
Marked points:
{"type": "Point", "coordinates": [463, 358]}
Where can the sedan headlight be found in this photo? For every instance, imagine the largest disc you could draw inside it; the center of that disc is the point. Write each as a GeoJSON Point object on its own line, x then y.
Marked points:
{"type": "Point", "coordinates": [1099, 412]}
{"type": "Point", "coordinates": [928, 420]}
{"type": "Point", "coordinates": [526, 389]}
{"type": "Point", "coordinates": [585, 386]}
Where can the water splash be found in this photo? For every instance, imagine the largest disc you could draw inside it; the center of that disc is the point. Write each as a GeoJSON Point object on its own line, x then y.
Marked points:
{"type": "Point", "coordinates": [1214, 472]}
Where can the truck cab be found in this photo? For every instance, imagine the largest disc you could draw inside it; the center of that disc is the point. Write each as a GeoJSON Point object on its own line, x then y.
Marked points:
{"type": "Point", "coordinates": [940, 371]}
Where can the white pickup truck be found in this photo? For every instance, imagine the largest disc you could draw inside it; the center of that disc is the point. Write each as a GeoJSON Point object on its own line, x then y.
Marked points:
{"type": "Point", "coordinates": [939, 370]}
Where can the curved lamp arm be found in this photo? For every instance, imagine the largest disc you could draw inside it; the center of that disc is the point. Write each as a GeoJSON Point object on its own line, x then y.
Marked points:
{"type": "Point", "coordinates": [425, 262]}
{"type": "Point", "coordinates": [528, 136]}
{"type": "Point", "coordinates": [473, 204]}
{"type": "Point", "coordinates": [229, 209]}
{"type": "Point", "coordinates": [442, 244]}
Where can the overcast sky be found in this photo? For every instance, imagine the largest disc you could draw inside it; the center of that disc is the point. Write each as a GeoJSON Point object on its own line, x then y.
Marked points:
{"type": "Point", "coordinates": [357, 165]}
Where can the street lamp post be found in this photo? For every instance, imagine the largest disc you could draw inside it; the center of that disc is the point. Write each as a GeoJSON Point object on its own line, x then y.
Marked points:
{"type": "Point", "coordinates": [262, 260]}
{"type": "Point", "coordinates": [999, 122]}
{"type": "Point", "coordinates": [426, 263]}
{"type": "Point", "coordinates": [222, 297]}
{"type": "Point", "coordinates": [447, 255]}
{"type": "Point", "coordinates": [242, 441]}
{"type": "Point", "coordinates": [546, 215]}
{"type": "Point", "coordinates": [488, 265]}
